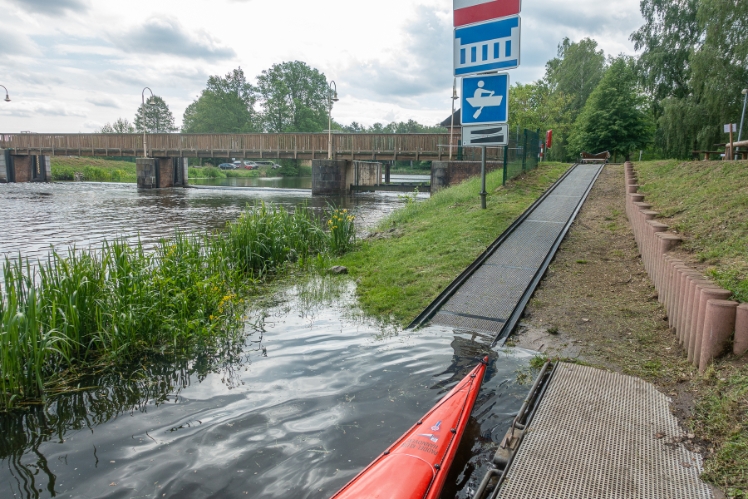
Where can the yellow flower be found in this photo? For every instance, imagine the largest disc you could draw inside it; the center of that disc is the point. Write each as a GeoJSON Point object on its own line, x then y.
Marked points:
{"type": "Point", "coordinates": [212, 318]}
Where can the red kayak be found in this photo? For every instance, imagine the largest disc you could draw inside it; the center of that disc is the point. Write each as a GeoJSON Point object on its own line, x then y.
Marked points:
{"type": "Point", "coordinates": [416, 466]}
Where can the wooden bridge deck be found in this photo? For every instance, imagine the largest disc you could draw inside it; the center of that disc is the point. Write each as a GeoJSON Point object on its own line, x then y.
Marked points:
{"type": "Point", "coordinates": [255, 145]}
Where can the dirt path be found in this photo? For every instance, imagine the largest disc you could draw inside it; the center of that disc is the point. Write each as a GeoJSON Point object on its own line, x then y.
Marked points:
{"type": "Point", "coordinates": [597, 305]}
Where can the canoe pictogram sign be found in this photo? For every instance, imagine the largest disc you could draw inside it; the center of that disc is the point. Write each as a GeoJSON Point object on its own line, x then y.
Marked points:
{"type": "Point", "coordinates": [484, 98]}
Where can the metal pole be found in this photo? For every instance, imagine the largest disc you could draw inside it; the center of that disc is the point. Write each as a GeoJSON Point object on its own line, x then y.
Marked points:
{"type": "Point", "coordinates": [7, 96]}
{"type": "Point", "coordinates": [506, 160]}
{"type": "Point", "coordinates": [742, 117]}
{"type": "Point", "coordinates": [332, 96]}
{"type": "Point", "coordinates": [142, 98]}
{"type": "Point", "coordinates": [452, 124]}
{"type": "Point", "coordinates": [483, 177]}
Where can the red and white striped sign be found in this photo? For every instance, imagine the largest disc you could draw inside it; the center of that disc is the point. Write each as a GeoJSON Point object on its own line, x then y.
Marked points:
{"type": "Point", "coordinates": [475, 11]}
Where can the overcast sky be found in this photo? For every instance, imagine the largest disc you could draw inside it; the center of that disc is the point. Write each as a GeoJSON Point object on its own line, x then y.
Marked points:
{"type": "Point", "coordinates": [73, 65]}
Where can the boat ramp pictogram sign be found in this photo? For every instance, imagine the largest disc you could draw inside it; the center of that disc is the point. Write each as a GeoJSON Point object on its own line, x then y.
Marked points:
{"type": "Point", "coordinates": [485, 99]}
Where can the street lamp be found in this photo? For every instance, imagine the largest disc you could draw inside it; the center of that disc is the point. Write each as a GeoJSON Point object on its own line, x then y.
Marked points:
{"type": "Point", "coordinates": [452, 125]}
{"type": "Point", "coordinates": [332, 96]}
{"type": "Point", "coordinates": [7, 97]}
{"type": "Point", "coordinates": [142, 97]}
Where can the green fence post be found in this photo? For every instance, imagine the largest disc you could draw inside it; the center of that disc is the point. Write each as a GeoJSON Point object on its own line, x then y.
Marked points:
{"type": "Point", "coordinates": [524, 154]}
{"type": "Point", "coordinates": [506, 161]}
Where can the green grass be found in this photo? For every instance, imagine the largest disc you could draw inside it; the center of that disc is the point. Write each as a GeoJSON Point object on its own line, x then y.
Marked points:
{"type": "Point", "coordinates": [92, 170]}
{"type": "Point", "coordinates": [214, 172]}
{"type": "Point", "coordinates": [707, 202]}
{"type": "Point", "coordinates": [431, 242]}
{"type": "Point", "coordinates": [122, 302]}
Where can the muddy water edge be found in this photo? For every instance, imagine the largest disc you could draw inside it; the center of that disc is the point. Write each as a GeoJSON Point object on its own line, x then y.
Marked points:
{"type": "Point", "coordinates": [312, 393]}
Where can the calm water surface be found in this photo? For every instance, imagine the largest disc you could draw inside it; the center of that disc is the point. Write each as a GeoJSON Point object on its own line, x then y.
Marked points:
{"type": "Point", "coordinates": [35, 216]}
{"type": "Point", "coordinates": [314, 392]}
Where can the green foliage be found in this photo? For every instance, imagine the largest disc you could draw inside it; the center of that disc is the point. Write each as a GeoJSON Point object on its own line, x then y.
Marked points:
{"type": "Point", "coordinates": [121, 125]}
{"type": "Point", "coordinates": [615, 117]}
{"type": "Point", "coordinates": [410, 126]}
{"type": "Point", "coordinates": [342, 230]}
{"type": "Point", "coordinates": [92, 170]}
{"type": "Point", "coordinates": [294, 98]}
{"type": "Point", "coordinates": [576, 71]}
{"type": "Point", "coordinates": [694, 64]}
{"type": "Point", "coordinates": [154, 117]}
{"type": "Point", "coordinates": [206, 172]}
{"type": "Point", "coordinates": [120, 302]}
{"type": "Point", "coordinates": [225, 106]}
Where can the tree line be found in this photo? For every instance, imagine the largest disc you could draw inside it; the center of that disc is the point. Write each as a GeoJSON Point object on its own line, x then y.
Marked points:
{"type": "Point", "coordinates": [288, 97]}
{"type": "Point", "coordinates": [670, 100]}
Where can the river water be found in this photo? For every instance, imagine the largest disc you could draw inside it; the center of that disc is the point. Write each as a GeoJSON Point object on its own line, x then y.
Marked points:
{"type": "Point", "coordinates": [314, 393]}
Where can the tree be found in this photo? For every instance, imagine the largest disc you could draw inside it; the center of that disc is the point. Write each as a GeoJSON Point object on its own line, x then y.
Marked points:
{"type": "Point", "coordinates": [576, 71]}
{"type": "Point", "coordinates": [121, 125]}
{"type": "Point", "coordinates": [534, 106]}
{"type": "Point", "coordinates": [294, 98]}
{"type": "Point", "coordinates": [154, 117]}
{"type": "Point", "coordinates": [225, 106]}
{"type": "Point", "coordinates": [615, 117]}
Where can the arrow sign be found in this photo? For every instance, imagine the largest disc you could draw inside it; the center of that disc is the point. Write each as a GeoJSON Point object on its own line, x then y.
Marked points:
{"type": "Point", "coordinates": [476, 11]}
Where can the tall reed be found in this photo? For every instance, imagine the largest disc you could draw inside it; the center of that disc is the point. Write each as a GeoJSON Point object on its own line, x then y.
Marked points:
{"type": "Point", "coordinates": [120, 301]}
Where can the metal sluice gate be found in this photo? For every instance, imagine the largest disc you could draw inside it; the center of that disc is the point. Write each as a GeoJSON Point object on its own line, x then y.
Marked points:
{"type": "Point", "coordinates": [491, 294]}
{"type": "Point", "coordinates": [585, 433]}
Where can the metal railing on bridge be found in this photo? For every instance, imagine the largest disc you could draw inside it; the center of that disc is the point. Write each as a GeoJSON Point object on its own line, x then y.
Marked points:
{"type": "Point", "coordinates": [419, 147]}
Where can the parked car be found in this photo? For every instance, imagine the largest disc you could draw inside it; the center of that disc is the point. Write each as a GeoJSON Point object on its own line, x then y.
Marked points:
{"type": "Point", "coordinates": [227, 166]}
{"type": "Point", "coordinates": [270, 164]}
{"type": "Point", "coordinates": [250, 165]}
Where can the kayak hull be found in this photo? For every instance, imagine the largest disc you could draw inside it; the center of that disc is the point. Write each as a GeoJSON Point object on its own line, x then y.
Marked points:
{"type": "Point", "coordinates": [416, 465]}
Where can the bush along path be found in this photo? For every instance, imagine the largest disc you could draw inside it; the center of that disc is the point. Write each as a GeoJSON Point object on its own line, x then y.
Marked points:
{"type": "Point", "coordinates": [61, 317]}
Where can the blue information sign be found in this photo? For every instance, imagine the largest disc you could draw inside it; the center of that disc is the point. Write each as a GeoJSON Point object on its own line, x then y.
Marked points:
{"type": "Point", "coordinates": [490, 46]}
{"type": "Point", "coordinates": [485, 99]}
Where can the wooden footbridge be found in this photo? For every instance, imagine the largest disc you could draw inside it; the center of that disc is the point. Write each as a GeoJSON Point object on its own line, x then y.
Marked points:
{"type": "Point", "coordinates": [350, 146]}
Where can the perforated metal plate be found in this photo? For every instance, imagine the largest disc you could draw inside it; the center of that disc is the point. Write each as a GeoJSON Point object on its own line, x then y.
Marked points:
{"type": "Point", "coordinates": [601, 435]}
{"type": "Point", "coordinates": [487, 299]}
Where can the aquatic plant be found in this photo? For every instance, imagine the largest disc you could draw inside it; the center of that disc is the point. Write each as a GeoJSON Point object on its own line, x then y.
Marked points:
{"type": "Point", "coordinates": [342, 229]}
{"type": "Point", "coordinates": [118, 302]}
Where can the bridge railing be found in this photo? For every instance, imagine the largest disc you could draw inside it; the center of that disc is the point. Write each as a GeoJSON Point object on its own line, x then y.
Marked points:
{"type": "Point", "coordinates": [288, 142]}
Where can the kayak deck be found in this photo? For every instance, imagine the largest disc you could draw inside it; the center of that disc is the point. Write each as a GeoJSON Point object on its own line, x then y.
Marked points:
{"type": "Point", "coordinates": [416, 465]}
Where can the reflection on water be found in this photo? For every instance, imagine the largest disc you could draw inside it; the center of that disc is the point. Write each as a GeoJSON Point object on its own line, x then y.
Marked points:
{"type": "Point", "coordinates": [315, 392]}
{"type": "Point", "coordinates": [35, 216]}
{"type": "Point", "coordinates": [274, 182]}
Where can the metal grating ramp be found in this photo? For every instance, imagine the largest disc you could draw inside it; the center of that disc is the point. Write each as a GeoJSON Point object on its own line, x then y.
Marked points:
{"type": "Point", "coordinates": [602, 435]}
{"type": "Point", "coordinates": [488, 299]}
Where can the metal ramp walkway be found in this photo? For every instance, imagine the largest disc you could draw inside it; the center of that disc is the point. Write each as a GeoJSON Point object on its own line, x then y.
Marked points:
{"type": "Point", "coordinates": [600, 435]}
{"type": "Point", "coordinates": [492, 293]}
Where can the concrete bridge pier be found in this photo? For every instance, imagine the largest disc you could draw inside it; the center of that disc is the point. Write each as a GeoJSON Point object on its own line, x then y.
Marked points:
{"type": "Point", "coordinates": [159, 173]}
{"type": "Point", "coordinates": [336, 176]}
{"type": "Point", "coordinates": [24, 168]}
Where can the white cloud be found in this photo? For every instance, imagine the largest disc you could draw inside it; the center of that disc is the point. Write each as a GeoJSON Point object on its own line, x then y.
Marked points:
{"type": "Point", "coordinates": [51, 7]}
{"type": "Point", "coordinates": [104, 101]}
{"type": "Point", "coordinates": [28, 109]}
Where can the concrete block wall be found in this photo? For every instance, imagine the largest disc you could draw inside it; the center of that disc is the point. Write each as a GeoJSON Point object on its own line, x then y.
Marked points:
{"type": "Point", "coordinates": [146, 172]}
{"type": "Point", "coordinates": [329, 176]}
{"type": "Point", "coordinates": [449, 173]}
{"type": "Point", "coordinates": [363, 173]}
{"type": "Point", "coordinates": [165, 172]}
{"type": "Point", "coordinates": [703, 318]}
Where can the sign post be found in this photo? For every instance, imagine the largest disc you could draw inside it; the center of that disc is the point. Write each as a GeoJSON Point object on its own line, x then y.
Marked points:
{"type": "Point", "coordinates": [486, 40]}
{"type": "Point", "coordinates": [730, 128]}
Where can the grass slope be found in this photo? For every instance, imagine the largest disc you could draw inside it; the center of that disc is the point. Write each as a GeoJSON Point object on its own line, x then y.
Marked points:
{"type": "Point", "coordinates": [422, 247]}
{"type": "Point", "coordinates": [707, 202]}
{"type": "Point", "coordinates": [92, 169]}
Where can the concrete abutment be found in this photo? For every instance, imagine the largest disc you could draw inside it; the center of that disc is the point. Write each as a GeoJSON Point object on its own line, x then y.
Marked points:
{"type": "Point", "coordinates": [336, 176]}
{"type": "Point", "coordinates": [160, 173]}
{"type": "Point", "coordinates": [24, 168]}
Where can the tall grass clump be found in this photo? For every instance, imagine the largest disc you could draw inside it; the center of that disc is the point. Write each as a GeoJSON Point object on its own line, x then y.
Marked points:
{"type": "Point", "coordinates": [342, 230]}
{"type": "Point", "coordinates": [120, 302]}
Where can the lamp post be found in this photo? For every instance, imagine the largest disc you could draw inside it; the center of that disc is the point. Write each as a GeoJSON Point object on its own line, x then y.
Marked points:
{"type": "Point", "coordinates": [452, 125]}
{"type": "Point", "coordinates": [332, 96]}
{"type": "Point", "coordinates": [7, 97]}
{"type": "Point", "coordinates": [142, 97]}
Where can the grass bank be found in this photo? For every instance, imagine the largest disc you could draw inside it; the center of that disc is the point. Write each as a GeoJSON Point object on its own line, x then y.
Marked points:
{"type": "Point", "coordinates": [121, 302]}
{"type": "Point", "coordinates": [421, 248]}
{"type": "Point", "coordinates": [707, 202]}
{"type": "Point", "coordinates": [92, 170]}
{"type": "Point", "coordinates": [214, 172]}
